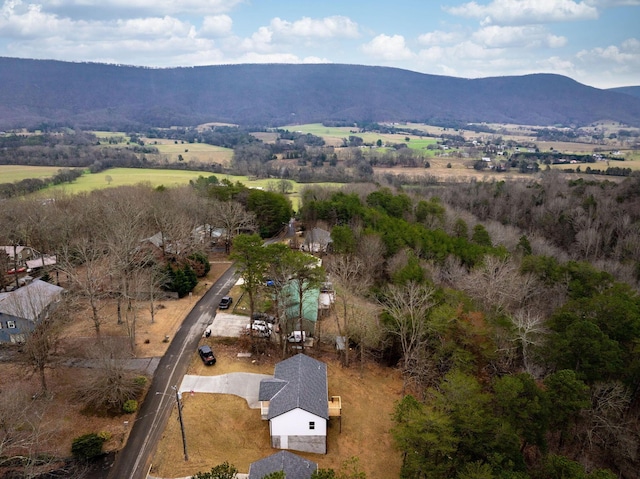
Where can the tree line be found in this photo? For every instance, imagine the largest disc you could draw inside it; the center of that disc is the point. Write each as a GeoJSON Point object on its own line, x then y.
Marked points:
{"type": "Point", "coordinates": [518, 360]}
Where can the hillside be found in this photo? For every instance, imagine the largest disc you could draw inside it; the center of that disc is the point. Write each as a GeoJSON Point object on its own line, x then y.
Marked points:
{"type": "Point", "coordinates": [628, 90]}
{"type": "Point", "coordinates": [91, 95]}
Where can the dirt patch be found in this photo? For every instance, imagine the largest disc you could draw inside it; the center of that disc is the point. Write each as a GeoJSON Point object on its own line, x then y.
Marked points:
{"type": "Point", "coordinates": [222, 428]}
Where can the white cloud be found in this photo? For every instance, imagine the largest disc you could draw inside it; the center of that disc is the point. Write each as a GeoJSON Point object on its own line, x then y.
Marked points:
{"type": "Point", "coordinates": [328, 27]}
{"type": "Point", "coordinates": [517, 37]}
{"type": "Point", "coordinates": [388, 48]}
{"type": "Point", "coordinates": [19, 20]}
{"type": "Point", "coordinates": [438, 37]}
{"type": "Point", "coordinates": [612, 3]}
{"type": "Point", "coordinates": [152, 27]}
{"type": "Point", "coordinates": [525, 12]}
{"type": "Point", "coordinates": [623, 57]}
{"type": "Point", "coordinates": [216, 25]}
{"type": "Point", "coordinates": [158, 7]}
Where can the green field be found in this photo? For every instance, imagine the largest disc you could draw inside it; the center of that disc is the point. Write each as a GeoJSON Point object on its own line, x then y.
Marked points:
{"type": "Point", "coordinates": [12, 173]}
{"type": "Point", "coordinates": [333, 134]}
{"type": "Point", "coordinates": [200, 152]}
{"type": "Point", "coordinates": [168, 178]}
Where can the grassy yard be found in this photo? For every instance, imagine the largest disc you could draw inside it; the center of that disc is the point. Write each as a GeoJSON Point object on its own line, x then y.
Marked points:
{"type": "Point", "coordinates": [12, 173]}
{"type": "Point", "coordinates": [222, 428]}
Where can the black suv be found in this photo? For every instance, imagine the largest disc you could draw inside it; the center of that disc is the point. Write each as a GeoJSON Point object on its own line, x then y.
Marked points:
{"type": "Point", "coordinates": [206, 353]}
{"type": "Point", "coordinates": [225, 302]}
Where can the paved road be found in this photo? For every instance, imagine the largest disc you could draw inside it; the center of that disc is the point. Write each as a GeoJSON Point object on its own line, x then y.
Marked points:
{"type": "Point", "coordinates": [134, 459]}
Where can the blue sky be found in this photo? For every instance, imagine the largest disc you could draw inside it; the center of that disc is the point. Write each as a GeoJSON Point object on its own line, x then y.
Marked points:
{"type": "Point", "coordinates": [596, 42]}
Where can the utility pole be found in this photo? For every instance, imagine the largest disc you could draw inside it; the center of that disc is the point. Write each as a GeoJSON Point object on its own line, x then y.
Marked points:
{"type": "Point", "coordinates": [184, 439]}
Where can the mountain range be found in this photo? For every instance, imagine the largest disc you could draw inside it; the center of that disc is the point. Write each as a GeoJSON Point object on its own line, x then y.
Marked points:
{"type": "Point", "coordinates": [92, 95]}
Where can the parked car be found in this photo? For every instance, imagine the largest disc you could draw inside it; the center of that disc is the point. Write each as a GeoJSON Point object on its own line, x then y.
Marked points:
{"type": "Point", "coordinates": [261, 328]}
{"type": "Point", "coordinates": [297, 337]}
{"type": "Point", "coordinates": [264, 317]}
{"type": "Point", "coordinates": [225, 302]}
{"type": "Point", "coordinates": [207, 356]}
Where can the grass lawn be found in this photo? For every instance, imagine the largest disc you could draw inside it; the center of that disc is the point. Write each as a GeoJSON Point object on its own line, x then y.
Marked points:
{"type": "Point", "coordinates": [12, 173]}
{"type": "Point", "coordinates": [222, 428]}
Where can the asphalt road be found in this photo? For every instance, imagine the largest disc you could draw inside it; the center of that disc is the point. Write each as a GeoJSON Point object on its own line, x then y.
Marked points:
{"type": "Point", "coordinates": [134, 460]}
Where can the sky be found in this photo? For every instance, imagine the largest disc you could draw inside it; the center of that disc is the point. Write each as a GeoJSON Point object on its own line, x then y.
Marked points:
{"type": "Point", "coordinates": [595, 42]}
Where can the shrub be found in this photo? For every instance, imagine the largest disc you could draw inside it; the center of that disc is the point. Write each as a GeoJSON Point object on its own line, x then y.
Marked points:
{"type": "Point", "coordinates": [140, 381]}
{"type": "Point", "coordinates": [130, 406]}
{"type": "Point", "coordinates": [88, 446]}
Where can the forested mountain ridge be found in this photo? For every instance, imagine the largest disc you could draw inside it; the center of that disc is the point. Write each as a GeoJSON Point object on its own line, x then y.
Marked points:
{"type": "Point", "coordinates": [628, 90]}
{"type": "Point", "coordinates": [92, 95]}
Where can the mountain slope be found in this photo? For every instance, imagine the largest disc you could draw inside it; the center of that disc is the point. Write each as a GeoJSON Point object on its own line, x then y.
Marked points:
{"type": "Point", "coordinates": [91, 95]}
{"type": "Point", "coordinates": [628, 90]}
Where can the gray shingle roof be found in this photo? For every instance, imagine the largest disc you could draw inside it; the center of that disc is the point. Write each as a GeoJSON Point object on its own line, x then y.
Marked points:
{"type": "Point", "coordinates": [31, 300]}
{"type": "Point", "coordinates": [294, 467]}
{"type": "Point", "coordinates": [269, 388]}
{"type": "Point", "coordinates": [306, 387]}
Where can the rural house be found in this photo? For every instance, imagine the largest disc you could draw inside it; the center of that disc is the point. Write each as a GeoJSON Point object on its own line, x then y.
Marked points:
{"type": "Point", "coordinates": [22, 309]}
{"type": "Point", "coordinates": [295, 402]}
{"type": "Point", "coordinates": [294, 467]}
{"type": "Point", "coordinates": [317, 241]}
{"type": "Point", "coordinates": [19, 254]}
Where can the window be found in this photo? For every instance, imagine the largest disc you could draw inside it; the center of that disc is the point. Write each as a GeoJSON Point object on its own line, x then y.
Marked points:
{"type": "Point", "coordinates": [312, 425]}
{"type": "Point", "coordinates": [11, 324]}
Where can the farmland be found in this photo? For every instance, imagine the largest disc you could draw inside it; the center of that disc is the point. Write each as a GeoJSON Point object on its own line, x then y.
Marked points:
{"type": "Point", "coordinates": [334, 135]}
{"type": "Point", "coordinates": [12, 173]}
{"type": "Point", "coordinates": [155, 177]}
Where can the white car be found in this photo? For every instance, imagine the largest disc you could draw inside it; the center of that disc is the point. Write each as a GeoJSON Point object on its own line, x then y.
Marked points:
{"type": "Point", "coordinates": [297, 337]}
{"type": "Point", "coordinates": [261, 328]}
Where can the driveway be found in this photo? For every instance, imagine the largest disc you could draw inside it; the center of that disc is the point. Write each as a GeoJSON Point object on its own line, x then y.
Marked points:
{"type": "Point", "coordinates": [227, 325]}
{"type": "Point", "coordinates": [245, 385]}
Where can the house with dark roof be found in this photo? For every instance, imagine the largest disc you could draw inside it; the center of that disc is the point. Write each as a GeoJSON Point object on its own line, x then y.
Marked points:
{"type": "Point", "coordinates": [295, 402]}
{"type": "Point", "coordinates": [22, 309]}
{"type": "Point", "coordinates": [293, 466]}
{"type": "Point", "coordinates": [317, 241]}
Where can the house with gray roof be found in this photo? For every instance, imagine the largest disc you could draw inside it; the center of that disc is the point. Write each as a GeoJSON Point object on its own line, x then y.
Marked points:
{"type": "Point", "coordinates": [293, 466]}
{"type": "Point", "coordinates": [295, 402]}
{"type": "Point", "coordinates": [22, 309]}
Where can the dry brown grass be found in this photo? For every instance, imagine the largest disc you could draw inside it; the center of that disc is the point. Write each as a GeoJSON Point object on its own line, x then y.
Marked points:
{"type": "Point", "coordinates": [222, 428]}
{"type": "Point", "coordinates": [64, 418]}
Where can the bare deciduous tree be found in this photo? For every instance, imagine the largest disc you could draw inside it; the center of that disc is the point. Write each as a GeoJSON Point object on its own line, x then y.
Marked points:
{"type": "Point", "coordinates": [407, 307]}
{"type": "Point", "coordinates": [529, 329]}
{"type": "Point", "coordinates": [232, 217]}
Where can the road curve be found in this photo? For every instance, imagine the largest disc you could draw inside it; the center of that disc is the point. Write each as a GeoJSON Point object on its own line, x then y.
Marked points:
{"type": "Point", "coordinates": [134, 460]}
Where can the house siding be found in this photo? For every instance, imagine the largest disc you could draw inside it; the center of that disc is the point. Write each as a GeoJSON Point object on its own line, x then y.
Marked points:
{"type": "Point", "coordinates": [291, 431]}
{"type": "Point", "coordinates": [11, 335]}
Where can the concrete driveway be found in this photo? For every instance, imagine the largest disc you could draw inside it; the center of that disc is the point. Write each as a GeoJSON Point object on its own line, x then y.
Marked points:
{"type": "Point", "coordinates": [227, 325]}
{"type": "Point", "coordinates": [245, 385]}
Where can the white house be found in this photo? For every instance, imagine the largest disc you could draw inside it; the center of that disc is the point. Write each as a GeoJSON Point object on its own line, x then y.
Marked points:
{"type": "Point", "coordinates": [295, 402]}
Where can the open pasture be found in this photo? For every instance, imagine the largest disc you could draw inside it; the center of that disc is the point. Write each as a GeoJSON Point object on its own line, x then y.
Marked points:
{"type": "Point", "coordinates": [168, 178]}
{"type": "Point", "coordinates": [13, 173]}
{"type": "Point", "coordinates": [200, 152]}
{"type": "Point", "coordinates": [334, 135]}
